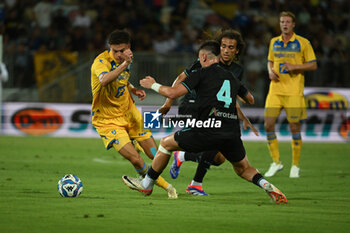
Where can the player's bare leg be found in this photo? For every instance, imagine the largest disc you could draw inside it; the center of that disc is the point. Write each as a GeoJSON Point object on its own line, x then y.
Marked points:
{"type": "Point", "coordinates": [149, 147]}
{"type": "Point", "coordinates": [159, 163]}
{"type": "Point", "coordinates": [251, 174]}
{"type": "Point", "coordinates": [129, 152]}
{"type": "Point", "coordinates": [244, 170]}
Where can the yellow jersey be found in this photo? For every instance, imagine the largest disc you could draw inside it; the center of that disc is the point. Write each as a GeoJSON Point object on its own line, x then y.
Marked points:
{"type": "Point", "coordinates": [114, 99]}
{"type": "Point", "coordinates": [298, 50]}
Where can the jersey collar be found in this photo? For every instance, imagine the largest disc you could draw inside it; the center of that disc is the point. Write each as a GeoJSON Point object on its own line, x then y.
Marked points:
{"type": "Point", "coordinates": [111, 56]}
{"type": "Point", "coordinates": [291, 39]}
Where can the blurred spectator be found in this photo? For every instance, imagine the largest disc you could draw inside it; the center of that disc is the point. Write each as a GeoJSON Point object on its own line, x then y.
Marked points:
{"type": "Point", "coordinates": [35, 39]}
{"type": "Point", "coordinates": [60, 22]}
{"type": "Point", "coordinates": [10, 3]}
{"type": "Point", "coordinates": [336, 65]}
{"type": "Point", "coordinates": [22, 67]}
{"type": "Point", "coordinates": [43, 11]}
{"type": "Point", "coordinates": [78, 40]}
{"type": "Point", "coordinates": [165, 26]}
{"type": "Point", "coordinates": [255, 68]}
{"type": "Point", "coordinates": [164, 42]}
{"type": "Point", "coordinates": [82, 19]}
{"type": "Point", "coordinates": [13, 25]}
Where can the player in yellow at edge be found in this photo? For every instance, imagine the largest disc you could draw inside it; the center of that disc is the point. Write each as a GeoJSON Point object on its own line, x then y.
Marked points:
{"type": "Point", "coordinates": [290, 55]}
{"type": "Point", "coordinates": [114, 114]}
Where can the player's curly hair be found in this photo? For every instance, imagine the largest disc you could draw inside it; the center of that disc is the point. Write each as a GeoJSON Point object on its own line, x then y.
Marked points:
{"type": "Point", "coordinates": [231, 34]}
{"type": "Point", "coordinates": [119, 37]}
{"type": "Point", "coordinates": [227, 33]}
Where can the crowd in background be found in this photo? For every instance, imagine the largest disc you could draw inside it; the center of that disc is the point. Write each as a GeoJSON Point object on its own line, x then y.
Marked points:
{"type": "Point", "coordinates": [164, 26]}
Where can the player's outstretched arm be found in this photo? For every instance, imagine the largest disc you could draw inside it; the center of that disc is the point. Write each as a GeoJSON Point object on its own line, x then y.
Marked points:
{"type": "Point", "coordinates": [248, 98]}
{"type": "Point", "coordinates": [170, 92]}
{"type": "Point", "coordinates": [245, 120]}
{"type": "Point", "coordinates": [114, 74]}
{"type": "Point", "coordinates": [168, 102]}
{"type": "Point", "coordinates": [141, 94]}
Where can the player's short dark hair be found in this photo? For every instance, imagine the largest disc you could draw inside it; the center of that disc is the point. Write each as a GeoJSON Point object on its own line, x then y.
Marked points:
{"type": "Point", "coordinates": [211, 46]}
{"type": "Point", "coordinates": [119, 37]}
{"type": "Point", "coordinates": [234, 35]}
{"type": "Point", "coordinates": [289, 14]}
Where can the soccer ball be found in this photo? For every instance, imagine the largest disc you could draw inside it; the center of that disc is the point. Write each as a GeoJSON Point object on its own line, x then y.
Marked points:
{"type": "Point", "coordinates": [70, 186]}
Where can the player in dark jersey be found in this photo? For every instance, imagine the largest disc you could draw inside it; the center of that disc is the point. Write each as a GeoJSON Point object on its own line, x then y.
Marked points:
{"type": "Point", "coordinates": [216, 124]}
{"type": "Point", "coordinates": [231, 45]}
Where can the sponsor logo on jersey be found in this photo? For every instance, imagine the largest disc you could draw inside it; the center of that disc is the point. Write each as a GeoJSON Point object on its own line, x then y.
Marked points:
{"type": "Point", "coordinates": [286, 55]}
{"type": "Point", "coordinates": [37, 121]}
{"type": "Point", "coordinates": [218, 113]}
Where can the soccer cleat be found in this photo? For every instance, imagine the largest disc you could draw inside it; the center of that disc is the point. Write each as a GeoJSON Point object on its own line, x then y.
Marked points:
{"type": "Point", "coordinates": [172, 194]}
{"type": "Point", "coordinates": [275, 194]}
{"type": "Point", "coordinates": [274, 168]}
{"type": "Point", "coordinates": [294, 172]}
{"type": "Point", "coordinates": [175, 166]}
{"type": "Point", "coordinates": [196, 190]}
{"type": "Point", "coordinates": [135, 184]}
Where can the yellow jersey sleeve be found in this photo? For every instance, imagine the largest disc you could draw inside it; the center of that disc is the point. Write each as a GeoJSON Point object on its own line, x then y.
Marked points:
{"type": "Point", "coordinates": [98, 68]}
{"type": "Point", "coordinates": [309, 52]}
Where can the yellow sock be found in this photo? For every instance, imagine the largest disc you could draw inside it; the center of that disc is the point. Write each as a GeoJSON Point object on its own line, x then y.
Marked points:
{"type": "Point", "coordinates": [296, 149]}
{"type": "Point", "coordinates": [137, 146]}
{"type": "Point", "coordinates": [272, 145]}
{"type": "Point", "coordinates": [162, 183]}
{"type": "Point", "coordinates": [142, 171]}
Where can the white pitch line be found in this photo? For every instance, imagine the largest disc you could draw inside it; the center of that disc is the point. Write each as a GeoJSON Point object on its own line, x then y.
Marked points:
{"type": "Point", "coordinates": [98, 160]}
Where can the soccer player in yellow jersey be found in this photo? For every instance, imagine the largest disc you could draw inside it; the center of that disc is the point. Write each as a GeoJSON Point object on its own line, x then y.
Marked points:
{"type": "Point", "coordinates": [289, 56]}
{"type": "Point", "coordinates": [114, 114]}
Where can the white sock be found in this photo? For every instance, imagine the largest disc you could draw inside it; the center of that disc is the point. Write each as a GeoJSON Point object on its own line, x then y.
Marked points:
{"type": "Point", "coordinates": [147, 183]}
{"type": "Point", "coordinates": [181, 156]}
{"type": "Point", "coordinates": [195, 183]}
{"type": "Point", "coordinates": [262, 182]}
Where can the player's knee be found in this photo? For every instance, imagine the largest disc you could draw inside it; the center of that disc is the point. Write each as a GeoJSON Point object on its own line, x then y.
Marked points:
{"type": "Point", "coordinates": [163, 150]}
{"type": "Point", "coordinates": [294, 128]}
{"type": "Point", "coordinates": [218, 160]}
{"type": "Point", "coordinates": [269, 127]}
{"type": "Point", "coordinates": [164, 143]}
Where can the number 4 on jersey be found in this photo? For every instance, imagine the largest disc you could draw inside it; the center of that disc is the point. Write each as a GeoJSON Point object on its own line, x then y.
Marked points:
{"type": "Point", "coordinates": [224, 93]}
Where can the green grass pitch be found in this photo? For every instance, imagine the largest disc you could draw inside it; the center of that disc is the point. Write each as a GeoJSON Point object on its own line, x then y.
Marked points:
{"type": "Point", "coordinates": [30, 168]}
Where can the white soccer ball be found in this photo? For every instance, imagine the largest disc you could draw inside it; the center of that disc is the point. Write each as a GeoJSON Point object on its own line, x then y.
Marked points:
{"type": "Point", "coordinates": [70, 186]}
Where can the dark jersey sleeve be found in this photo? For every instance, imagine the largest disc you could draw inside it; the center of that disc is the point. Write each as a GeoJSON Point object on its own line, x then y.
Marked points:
{"type": "Point", "coordinates": [192, 80]}
{"type": "Point", "coordinates": [194, 66]}
{"type": "Point", "coordinates": [242, 91]}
